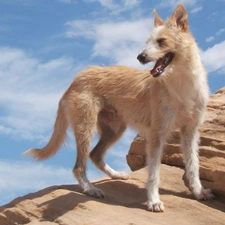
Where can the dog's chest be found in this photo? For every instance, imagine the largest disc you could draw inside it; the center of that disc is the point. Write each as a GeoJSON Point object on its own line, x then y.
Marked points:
{"type": "Point", "coordinates": [180, 109]}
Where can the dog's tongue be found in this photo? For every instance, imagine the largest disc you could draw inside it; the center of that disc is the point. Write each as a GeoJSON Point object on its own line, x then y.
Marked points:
{"type": "Point", "coordinates": [158, 68]}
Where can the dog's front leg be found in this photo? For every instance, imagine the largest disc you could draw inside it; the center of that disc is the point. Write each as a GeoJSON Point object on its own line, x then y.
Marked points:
{"type": "Point", "coordinates": [189, 143]}
{"type": "Point", "coordinates": [154, 148]}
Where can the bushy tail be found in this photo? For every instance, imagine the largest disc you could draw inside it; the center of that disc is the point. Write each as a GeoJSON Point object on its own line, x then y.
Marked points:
{"type": "Point", "coordinates": [57, 139]}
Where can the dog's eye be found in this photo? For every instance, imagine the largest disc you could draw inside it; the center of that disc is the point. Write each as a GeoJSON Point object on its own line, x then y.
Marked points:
{"type": "Point", "coordinates": [161, 41]}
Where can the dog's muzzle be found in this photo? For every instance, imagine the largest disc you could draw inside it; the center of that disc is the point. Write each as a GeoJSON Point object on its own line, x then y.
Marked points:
{"type": "Point", "coordinates": [160, 64]}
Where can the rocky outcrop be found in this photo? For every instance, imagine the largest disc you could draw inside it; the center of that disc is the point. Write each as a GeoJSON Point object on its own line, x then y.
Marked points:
{"type": "Point", "coordinates": [211, 150]}
{"type": "Point", "coordinates": [125, 203]}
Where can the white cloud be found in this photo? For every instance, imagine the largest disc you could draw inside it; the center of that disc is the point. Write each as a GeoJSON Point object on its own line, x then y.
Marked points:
{"type": "Point", "coordinates": [209, 39]}
{"type": "Point", "coordinates": [213, 58]}
{"type": "Point", "coordinates": [174, 3]}
{"type": "Point", "coordinates": [116, 7]}
{"type": "Point", "coordinates": [105, 3]}
{"type": "Point", "coordinates": [221, 31]}
{"type": "Point", "coordinates": [131, 3]}
{"type": "Point", "coordinates": [83, 28]}
{"type": "Point", "coordinates": [196, 9]}
{"type": "Point", "coordinates": [119, 42]}
{"type": "Point", "coordinates": [109, 34]}
{"type": "Point", "coordinates": [30, 91]}
{"type": "Point", "coordinates": [218, 33]}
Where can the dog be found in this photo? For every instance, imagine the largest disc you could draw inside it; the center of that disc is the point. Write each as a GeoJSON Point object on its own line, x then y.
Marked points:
{"type": "Point", "coordinates": [174, 94]}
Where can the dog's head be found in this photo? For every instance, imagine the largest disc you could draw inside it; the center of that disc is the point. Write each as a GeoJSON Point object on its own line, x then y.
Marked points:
{"type": "Point", "coordinates": [165, 40]}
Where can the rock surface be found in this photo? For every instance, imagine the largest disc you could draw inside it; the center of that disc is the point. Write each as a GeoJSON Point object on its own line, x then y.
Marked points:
{"type": "Point", "coordinates": [211, 150]}
{"type": "Point", "coordinates": [125, 203]}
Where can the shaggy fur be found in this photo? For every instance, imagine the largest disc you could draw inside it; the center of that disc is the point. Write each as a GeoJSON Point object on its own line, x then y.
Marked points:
{"type": "Point", "coordinates": [110, 98]}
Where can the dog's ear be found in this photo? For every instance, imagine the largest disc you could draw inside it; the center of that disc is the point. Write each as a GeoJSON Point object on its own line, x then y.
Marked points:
{"type": "Point", "coordinates": [158, 21]}
{"type": "Point", "coordinates": [179, 17]}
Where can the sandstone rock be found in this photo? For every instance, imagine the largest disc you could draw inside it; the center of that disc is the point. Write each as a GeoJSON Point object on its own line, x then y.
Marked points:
{"type": "Point", "coordinates": [211, 150]}
{"type": "Point", "coordinates": [125, 203]}
{"type": "Point", "coordinates": [136, 158]}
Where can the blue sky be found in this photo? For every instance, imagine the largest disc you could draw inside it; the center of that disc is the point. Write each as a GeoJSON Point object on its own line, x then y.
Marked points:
{"type": "Point", "coordinates": [43, 44]}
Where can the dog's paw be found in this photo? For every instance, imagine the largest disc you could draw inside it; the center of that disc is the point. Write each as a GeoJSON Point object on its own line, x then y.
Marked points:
{"type": "Point", "coordinates": [94, 192]}
{"type": "Point", "coordinates": [120, 175]}
{"type": "Point", "coordinates": [156, 206]}
{"type": "Point", "coordinates": [205, 194]}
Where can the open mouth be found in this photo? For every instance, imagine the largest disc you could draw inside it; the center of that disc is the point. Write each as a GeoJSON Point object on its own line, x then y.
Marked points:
{"type": "Point", "coordinates": [161, 64]}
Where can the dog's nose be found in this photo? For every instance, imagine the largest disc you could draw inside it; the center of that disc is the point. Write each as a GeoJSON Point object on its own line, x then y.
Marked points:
{"type": "Point", "coordinates": [142, 57]}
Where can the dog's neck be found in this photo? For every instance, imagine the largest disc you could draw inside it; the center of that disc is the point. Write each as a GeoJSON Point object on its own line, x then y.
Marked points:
{"type": "Point", "coordinates": [187, 72]}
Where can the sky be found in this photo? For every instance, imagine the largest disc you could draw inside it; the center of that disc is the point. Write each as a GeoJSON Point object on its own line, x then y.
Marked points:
{"type": "Point", "coordinates": [44, 44]}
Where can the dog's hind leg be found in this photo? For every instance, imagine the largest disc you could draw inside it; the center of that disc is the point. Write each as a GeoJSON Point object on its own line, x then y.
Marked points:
{"type": "Point", "coordinates": [108, 136]}
{"type": "Point", "coordinates": [189, 143]}
{"type": "Point", "coordinates": [83, 122]}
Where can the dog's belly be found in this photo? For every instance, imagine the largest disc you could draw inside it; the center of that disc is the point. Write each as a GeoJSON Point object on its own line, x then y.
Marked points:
{"type": "Point", "coordinates": [116, 118]}
{"type": "Point", "coordinates": [109, 116]}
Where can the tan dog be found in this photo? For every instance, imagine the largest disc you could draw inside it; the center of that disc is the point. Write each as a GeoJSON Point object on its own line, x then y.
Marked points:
{"type": "Point", "coordinates": [173, 95]}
